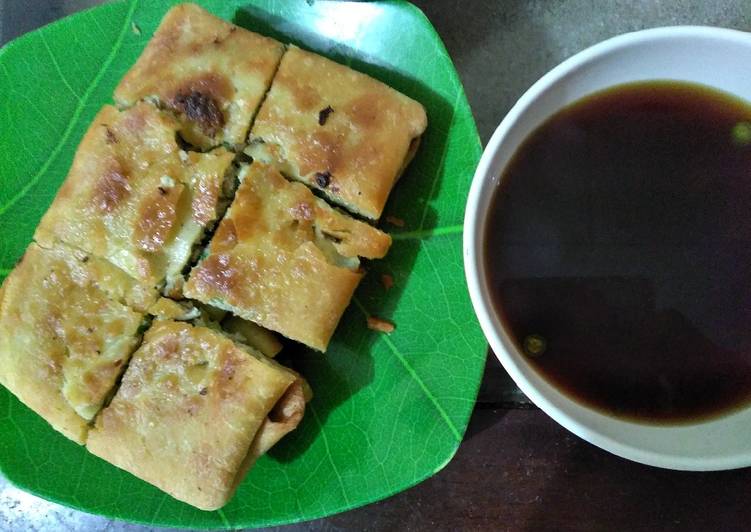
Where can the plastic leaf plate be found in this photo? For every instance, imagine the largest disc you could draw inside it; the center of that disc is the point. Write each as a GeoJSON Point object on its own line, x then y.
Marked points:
{"type": "Point", "coordinates": [390, 410]}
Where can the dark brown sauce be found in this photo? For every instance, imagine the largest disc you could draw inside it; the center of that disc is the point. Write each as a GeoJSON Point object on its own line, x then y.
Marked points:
{"type": "Point", "coordinates": [620, 242]}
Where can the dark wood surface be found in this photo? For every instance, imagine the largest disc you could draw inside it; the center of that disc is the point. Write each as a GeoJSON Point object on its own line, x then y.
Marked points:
{"type": "Point", "coordinates": [516, 469]}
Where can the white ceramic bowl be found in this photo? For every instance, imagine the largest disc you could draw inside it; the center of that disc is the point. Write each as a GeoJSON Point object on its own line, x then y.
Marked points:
{"type": "Point", "coordinates": [715, 57]}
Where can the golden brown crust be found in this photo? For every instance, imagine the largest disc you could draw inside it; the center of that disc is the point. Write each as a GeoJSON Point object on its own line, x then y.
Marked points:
{"type": "Point", "coordinates": [351, 238]}
{"type": "Point", "coordinates": [190, 405]}
{"type": "Point", "coordinates": [337, 130]}
{"type": "Point", "coordinates": [283, 419]}
{"type": "Point", "coordinates": [157, 217]}
{"type": "Point", "coordinates": [133, 197]}
{"type": "Point", "coordinates": [66, 334]}
{"type": "Point", "coordinates": [271, 262]}
{"type": "Point", "coordinates": [208, 71]}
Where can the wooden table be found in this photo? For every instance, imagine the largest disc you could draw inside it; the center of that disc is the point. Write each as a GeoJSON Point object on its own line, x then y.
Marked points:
{"type": "Point", "coordinates": [516, 469]}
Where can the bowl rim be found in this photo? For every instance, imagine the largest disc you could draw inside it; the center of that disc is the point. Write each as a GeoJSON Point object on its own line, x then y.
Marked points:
{"type": "Point", "coordinates": [474, 220]}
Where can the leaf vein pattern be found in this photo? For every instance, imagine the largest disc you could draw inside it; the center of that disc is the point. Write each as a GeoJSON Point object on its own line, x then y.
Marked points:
{"type": "Point", "coordinates": [425, 233]}
{"type": "Point", "coordinates": [412, 373]}
{"type": "Point", "coordinates": [58, 69]}
{"type": "Point", "coordinates": [76, 114]}
{"type": "Point", "coordinates": [224, 519]}
{"type": "Point", "coordinates": [328, 454]}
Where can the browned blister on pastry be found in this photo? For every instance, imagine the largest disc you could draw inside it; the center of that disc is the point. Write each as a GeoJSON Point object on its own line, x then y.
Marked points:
{"type": "Point", "coordinates": [337, 130]}
{"type": "Point", "coordinates": [284, 259]}
{"type": "Point", "coordinates": [210, 73]}
{"type": "Point", "coordinates": [191, 407]}
{"type": "Point", "coordinates": [68, 325]}
{"type": "Point", "coordinates": [135, 198]}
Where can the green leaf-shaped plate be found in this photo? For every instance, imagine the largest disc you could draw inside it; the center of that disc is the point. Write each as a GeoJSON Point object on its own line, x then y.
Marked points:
{"type": "Point", "coordinates": [389, 411]}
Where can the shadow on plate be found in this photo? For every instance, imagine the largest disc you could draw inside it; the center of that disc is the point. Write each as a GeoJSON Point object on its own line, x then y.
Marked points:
{"type": "Point", "coordinates": [348, 366]}
{"type": "Point", "coordinates": [422, 178]}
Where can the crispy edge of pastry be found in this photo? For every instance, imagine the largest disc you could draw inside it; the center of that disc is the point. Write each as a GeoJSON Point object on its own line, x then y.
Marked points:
{"type": "Point", "coordinates": [46, 403]}
{"type": "Point", "coordinates": [205, 99]}
{"type": "Point", "coordinates": [48, 396]}
{"type": "Point", "coordinates": [216, 280]}
{"type": "Point", "coordinates": [283, 419]}
{"type": "Point", "coordinates": [115, 431]}
{"type": "Point", "coordinates": [211, 283]}
{"type": "Point", "coordinates": [318, 157]}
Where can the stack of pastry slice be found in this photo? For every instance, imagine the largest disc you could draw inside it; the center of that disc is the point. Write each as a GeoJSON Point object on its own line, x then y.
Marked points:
{"type": "Point", "coordinates": [195, 221]}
